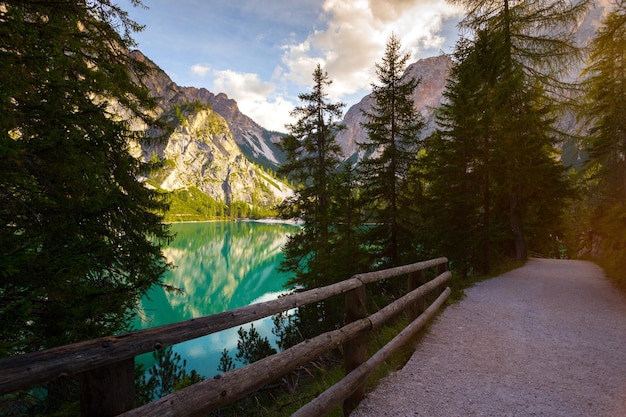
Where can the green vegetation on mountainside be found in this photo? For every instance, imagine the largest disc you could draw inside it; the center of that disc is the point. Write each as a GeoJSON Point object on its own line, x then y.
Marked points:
{"type": "Point", "coordinates": [191, 204]}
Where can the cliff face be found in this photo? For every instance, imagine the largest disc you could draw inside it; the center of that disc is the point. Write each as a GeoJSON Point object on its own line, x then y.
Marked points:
{"type": "Point", "coordinates": [257, 143]}
{"type": "Point", "coordinates": [202, 151]}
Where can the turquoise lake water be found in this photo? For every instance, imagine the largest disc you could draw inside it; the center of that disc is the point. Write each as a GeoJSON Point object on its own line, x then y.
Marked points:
{"type": "Point", "coordinates": [220, 266]}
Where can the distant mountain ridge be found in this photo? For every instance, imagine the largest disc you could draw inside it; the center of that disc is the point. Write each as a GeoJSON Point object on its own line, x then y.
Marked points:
{"type": "Point", "coordinates": [203, 151]}
{"type": "Point", "coordinates": [232, 177]}
{"type": "Point", "coordinates": [256, 142]}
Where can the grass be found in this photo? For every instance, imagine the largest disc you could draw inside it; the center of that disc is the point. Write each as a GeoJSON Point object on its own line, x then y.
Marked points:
{"type": "Point", "coordinates": [323, 375]}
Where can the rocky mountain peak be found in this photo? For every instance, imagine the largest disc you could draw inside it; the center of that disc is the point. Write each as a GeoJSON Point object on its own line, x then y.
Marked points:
{"type": "Point", "coordinates": [256, 143]}
{"type": "Point", "coordinates": [202, 151]}
{"type": "Point", "coordinates": [433, 74]}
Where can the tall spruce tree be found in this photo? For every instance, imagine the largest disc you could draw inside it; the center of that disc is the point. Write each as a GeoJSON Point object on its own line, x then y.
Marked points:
{"type": "Point", "coordinates": [392, 127]}
{"type": "Point", "coordinates": [313, 159]}
{"type": "Point", "coordinates": [531, 50]}
{"type": "Point", "coordinates": [605, 109]}
{"type": "Point", "coordinates": [457, 165]}
{"type": "Point", "coordinates": [605, 104]}
{"type": "Point", "coordinates": [80, 235]}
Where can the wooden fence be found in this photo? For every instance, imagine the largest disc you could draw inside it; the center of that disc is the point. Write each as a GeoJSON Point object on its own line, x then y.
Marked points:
{"type": "Point", "coordinates": [105, 365]}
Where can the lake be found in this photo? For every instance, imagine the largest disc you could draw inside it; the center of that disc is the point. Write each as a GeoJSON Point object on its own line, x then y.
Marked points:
{"type": "Point", "coordinates": [219, 266]}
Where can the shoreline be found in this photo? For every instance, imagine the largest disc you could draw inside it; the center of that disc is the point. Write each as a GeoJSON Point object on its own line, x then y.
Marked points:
{"type": "Point", "coordinates": [268, 220]}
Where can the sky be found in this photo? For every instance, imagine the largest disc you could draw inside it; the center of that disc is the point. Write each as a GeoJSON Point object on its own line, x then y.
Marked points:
{"type": "Point", "coordinates": [263, 53]}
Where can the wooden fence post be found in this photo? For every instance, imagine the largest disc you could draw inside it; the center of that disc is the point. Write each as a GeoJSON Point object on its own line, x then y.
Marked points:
{"type": "Point", "coordinates": [414, 280]}
{"type": "Point", "coordinates": [108, 390]}
{"type": "Point", "coordinates": [355, 350]}
{"type": "Point", "coordinates": [441, 268]}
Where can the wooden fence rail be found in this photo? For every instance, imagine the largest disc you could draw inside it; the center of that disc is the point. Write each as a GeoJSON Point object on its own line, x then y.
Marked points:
{"type": "Point", "coordinates": [105, 365]}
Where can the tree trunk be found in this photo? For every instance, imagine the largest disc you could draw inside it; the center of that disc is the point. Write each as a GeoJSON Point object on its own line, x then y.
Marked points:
{"type": "Point", "coordinates": [521, 253]}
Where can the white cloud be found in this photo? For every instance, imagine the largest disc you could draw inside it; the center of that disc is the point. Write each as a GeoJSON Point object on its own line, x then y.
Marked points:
{"type": "Point", "coordinates": [239, 83]}
{"type": "Point", "coordinates": [355, 36]}
{"type": "Point", "coordinates": [271, 113]}
{"type": "Point", "coordinates": [256, 98]}
{"type": "Point", "coordinates": [350, 38]}
{"type": "Point", "coordinates": [200, 70]}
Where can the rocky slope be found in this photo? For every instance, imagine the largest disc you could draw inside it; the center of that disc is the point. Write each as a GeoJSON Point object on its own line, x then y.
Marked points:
{"type": "Point", "coordinates": [202, 151]}
{"type": "Point", "coordinates": [257, 143]}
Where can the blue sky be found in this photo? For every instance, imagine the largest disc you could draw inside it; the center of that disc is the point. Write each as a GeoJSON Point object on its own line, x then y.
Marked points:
{"type": "Point", "coordinates": [263, 53]}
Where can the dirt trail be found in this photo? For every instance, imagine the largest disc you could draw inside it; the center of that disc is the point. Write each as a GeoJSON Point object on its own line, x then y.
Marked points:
{"type": "Point", "coordinates": [548, 339]}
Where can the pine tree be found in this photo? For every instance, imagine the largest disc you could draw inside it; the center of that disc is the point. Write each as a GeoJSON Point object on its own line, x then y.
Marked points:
{"type": "Point", "coordinates": [392, 126]}
{"type": "Point", "coordinates": [531, 48]}
{"type": "Point", "coordinates": [312, 154]}
{"type": "Point", "coordinates": [251, 346]}
{"type": "Point", "coordinates": [166, 375]}
{"type": "Point", "coordinates": [81, 236]}
{"type": "Point", "coordinates": [605, 104]}
{"type": "Point", "coordinates": [457, 166]}
{"type": "Point", "coordinates": [604, 109]}
{"type": "Point", "coordinates": [313, 158]}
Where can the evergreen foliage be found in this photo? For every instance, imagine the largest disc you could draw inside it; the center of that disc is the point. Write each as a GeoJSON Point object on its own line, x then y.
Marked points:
{"type": "Point", "coordinates": [459, 172]}
{"type": "Point", "coordinates": [313, 160]}
{"type": "Point", "coordinates": [80, 236]}
{"type": "Point", "coordinates": [475, 166]}
{"type": "Point", "coordinates": [604, 109]}
{"type": "Point", "coordinates": [605, 105]}
{"type": "Point", "coordinates": [226, 362]}
{"type": "Point", "coordinates": [536, 36]}
{"type": "Point", "coordinates": [313, 155]}
{"type": "Point", "coordinates": [168, 374]}
{"type": "Point", "coordinates": [251, 347]}
{"type": "Point", "coordinates": [392, 127]}
{"type": "Point", "coordinates": [499, 127]}
{"type": "Point", "coordinates": [191, 204]}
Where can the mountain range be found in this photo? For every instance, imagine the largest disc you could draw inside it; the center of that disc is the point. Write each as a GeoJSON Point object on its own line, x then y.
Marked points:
{"type": "Point", "coordinates": [226, 155]}
{"type": "Point", "coordinates": [217, 149]}
{"type": "Point", "coordinates": [213, 146]}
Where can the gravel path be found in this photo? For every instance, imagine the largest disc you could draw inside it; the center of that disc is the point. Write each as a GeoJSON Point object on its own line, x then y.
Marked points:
{"type": "Point", "coordinates": [548, 339]}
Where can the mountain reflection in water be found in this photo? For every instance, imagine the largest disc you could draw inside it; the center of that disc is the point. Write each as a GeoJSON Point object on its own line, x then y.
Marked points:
{"type": "Point", "coordinates": [219, 266]}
